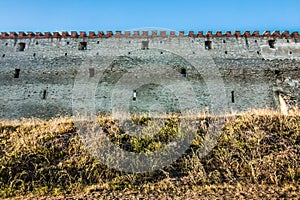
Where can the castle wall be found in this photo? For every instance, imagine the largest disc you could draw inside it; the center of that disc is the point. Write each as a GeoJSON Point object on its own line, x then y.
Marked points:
{"type": "Point", "coordinates": [50, 76]}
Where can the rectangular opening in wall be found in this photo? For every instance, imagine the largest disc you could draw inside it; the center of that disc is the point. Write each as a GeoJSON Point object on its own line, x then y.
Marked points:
{"type": "Point", "coordinates": [44, 94]}
{"type": "Point", "coordinates": [82, 46]}
{"type": "Point", "coordinates": [208, 45]}
{"type": "Point", "coordinates": [21, 46]}
{"type": "Point", "coordinates": [271, 44]}
{"type": "Point", "coordinates": [134, 95]}
{"type": "Point", "coordinates": [17, 73]}
{"type": "Point", "coordinates": [92, 72]}
{"type": "Point", "coordinates": [183, 72]}
{"type": "Point", "coordinates": [145, 45]}
{"type": "Point", "coordinates": [232, 96]}
{"type": "Point", "coordinates": [247, 42]}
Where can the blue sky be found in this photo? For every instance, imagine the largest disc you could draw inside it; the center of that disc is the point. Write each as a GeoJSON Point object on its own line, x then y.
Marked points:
{"type": "Point", "coordinates": [92, 15]}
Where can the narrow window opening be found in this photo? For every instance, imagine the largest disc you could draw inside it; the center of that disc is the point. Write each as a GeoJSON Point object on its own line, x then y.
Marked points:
{"type": "Point", "coordinates": [145, 45]}
{"type": "Point", "coordinates": [255, 41]}
{"type": "Point", "coordinates": [66, 54]}
{"type": "Point", "coordinates": [288, 41]}
{"type": "Point", "coordinates": [6, 44]}
{"type": "Point", "coordinates": [97, 54]}
{"type": "Point", "coordinates": [34, 54]}
{"type": "Point", "coordinates": [134, 95]}
{"type": "Point", "coordinates": [82, 46]}
{"type": "Point", "coordinates": [224, 41]}
{"type": "Point", "coordinates": [129, 53]}
{"type": "Point", "coordinates": [17, 73]}
{"type": "Point", "coordinates": [271, 43]}
{"type": "Point", "coordinates": [161, 52]}
{"type": "Point", "coordinates": [226, 52]}
{"type": "Point", "coordinates": [183, 72]}
{"type": "Point", "coordinates": [207, 45]}
{"type": "Point", "coordinates": [232, 96]}
{"type": "Point", "coordinates": [68, 43]}
{"type": "Point", "coordinates": [247, 42]}
{"type": "Point", "coordinates": [37, 43]}
{"type": "Point", "coordinates": [3, 55]}
{"type": "Point", "coordinates": [277, 72]}
{"type": "Point", "coordinates": [21, 46]}
{"type": "Point", "coordinates": [98, 42]}
{"type": "Point", "coordinates": [92, 72]}
{"type": "Point", "coordinates": [291, 52]}
{"type": "Point", "coordinates": [257, 52]}
{"type": "Point", "coordinates": [44, 94]}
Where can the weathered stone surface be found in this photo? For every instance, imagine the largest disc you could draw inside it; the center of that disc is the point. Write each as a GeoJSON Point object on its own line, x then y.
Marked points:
{"type": "Point", "coordinates": [50, 65]}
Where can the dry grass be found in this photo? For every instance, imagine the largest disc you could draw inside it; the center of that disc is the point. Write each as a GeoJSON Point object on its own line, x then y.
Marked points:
{"type": "Point", "coordinates": [258, 148]}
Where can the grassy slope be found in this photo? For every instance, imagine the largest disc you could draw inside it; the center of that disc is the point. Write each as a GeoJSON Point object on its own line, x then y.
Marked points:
{"type": "Point", "coordinates": [258, 155]}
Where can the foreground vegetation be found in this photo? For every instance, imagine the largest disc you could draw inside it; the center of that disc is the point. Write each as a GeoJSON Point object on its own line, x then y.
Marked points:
{"type": "Point", "coordinates": [257, 155]}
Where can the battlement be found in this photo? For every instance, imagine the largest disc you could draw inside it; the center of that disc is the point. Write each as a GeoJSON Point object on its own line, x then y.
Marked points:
{"type": "Point", "coordinates": [142, 34]}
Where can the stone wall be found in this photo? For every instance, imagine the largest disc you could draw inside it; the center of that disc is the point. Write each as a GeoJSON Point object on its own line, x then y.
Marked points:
{"type": "Point", "coordinates": [47, 75]}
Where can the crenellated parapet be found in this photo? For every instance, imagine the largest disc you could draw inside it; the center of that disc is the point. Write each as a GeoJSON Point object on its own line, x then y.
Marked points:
{"type": "Point", "coordinates": [146, 34]}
